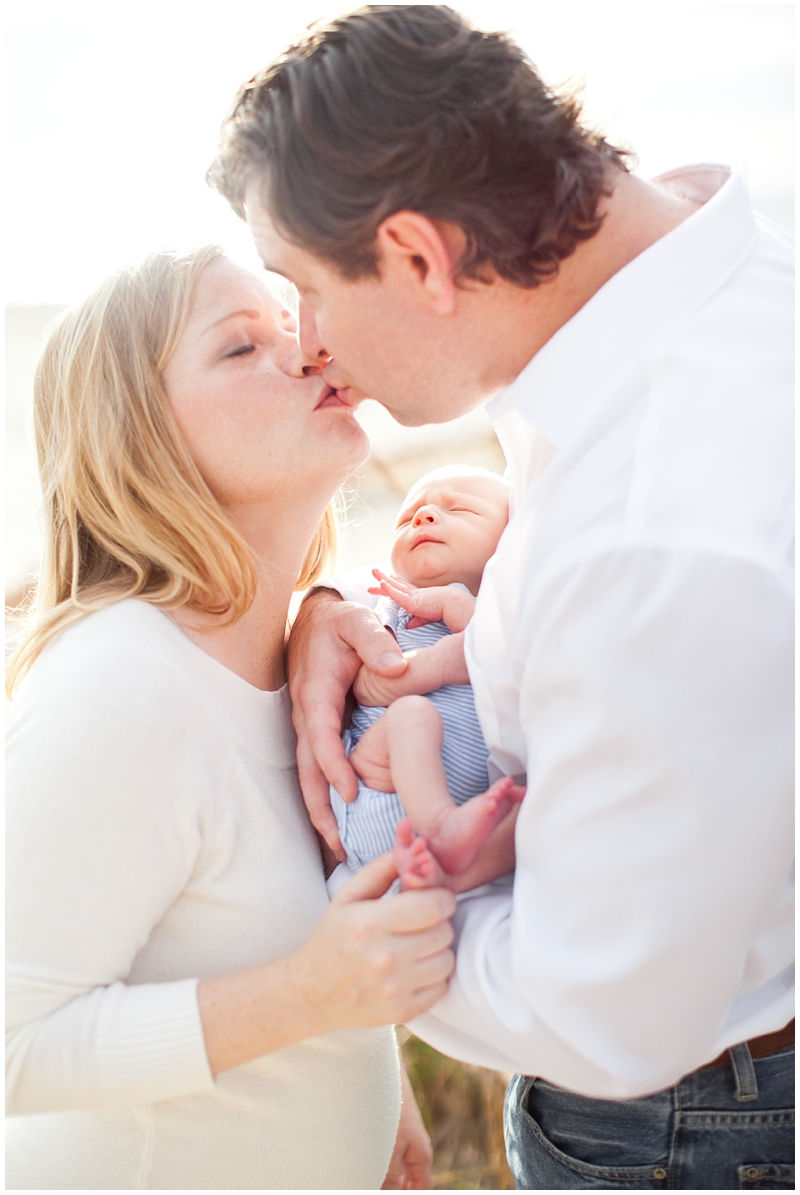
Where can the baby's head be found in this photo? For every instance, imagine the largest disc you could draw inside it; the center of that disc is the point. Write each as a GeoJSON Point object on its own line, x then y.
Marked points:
{"type": "Point", "coordinates": [449, 525]}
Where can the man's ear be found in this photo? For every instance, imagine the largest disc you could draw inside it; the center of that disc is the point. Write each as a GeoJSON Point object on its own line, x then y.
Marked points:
{"type": "Point", "coordinates": [421, 253]}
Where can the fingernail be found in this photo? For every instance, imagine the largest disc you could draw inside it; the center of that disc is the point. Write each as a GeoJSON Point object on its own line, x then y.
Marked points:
{"type": "Point", "coordinates": [388, 659]}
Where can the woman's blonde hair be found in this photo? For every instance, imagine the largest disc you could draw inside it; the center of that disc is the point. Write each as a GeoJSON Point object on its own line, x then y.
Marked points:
{"type": "Point", "coordinates": [126, 510]}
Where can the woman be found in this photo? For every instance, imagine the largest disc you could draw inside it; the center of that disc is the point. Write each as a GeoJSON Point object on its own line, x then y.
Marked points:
{"type": "Point", "coordinates": [186, 1009]}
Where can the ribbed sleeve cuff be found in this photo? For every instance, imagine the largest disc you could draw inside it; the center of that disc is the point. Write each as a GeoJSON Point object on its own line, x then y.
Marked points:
{"type": "Point", "coordinates": [150, 1043]}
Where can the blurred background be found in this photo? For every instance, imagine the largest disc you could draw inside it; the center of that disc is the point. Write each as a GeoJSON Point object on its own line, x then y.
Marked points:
{"type": "Point", "coordinates": [113, 114]}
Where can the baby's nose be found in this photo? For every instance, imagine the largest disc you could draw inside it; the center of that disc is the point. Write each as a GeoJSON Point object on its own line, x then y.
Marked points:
{"type": "Point", "coordinates": [423, 516]}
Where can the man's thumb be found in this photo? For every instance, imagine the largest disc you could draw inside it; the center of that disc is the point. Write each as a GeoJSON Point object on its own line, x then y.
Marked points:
{"type": "Point", "coordinates": [380, 651]}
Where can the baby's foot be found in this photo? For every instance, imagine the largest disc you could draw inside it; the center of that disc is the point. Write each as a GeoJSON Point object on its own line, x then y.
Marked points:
{"type": "Point", "coordinates": [415, 864]}
{"type": "Point", "coordinates": [458, 832]}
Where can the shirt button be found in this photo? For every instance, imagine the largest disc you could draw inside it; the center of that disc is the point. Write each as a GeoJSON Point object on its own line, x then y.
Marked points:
{"type": "Point", "coordinates": [659, 1173]}
{"type": "Point", "coordinates": [751, 1172]}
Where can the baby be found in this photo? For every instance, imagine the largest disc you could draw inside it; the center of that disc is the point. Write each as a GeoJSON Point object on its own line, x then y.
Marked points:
{"type": "Point", "coordinates": [425, 756]}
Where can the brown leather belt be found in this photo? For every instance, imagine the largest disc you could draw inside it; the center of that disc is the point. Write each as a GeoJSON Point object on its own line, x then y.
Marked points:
{"type": "Point", "coordinates": [760, 1047]}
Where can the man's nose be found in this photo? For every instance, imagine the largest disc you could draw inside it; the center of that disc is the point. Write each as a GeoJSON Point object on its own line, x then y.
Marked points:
{"type": "Point", "coordinates": [308, 336]}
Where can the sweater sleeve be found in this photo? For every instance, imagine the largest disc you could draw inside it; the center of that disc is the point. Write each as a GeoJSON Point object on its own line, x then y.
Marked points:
{"type": "Point", "coordinates": [105, 791]}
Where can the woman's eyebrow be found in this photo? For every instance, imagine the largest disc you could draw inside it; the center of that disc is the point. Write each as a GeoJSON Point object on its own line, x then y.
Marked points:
{"type": "Point", "coordinates": [248, 311]}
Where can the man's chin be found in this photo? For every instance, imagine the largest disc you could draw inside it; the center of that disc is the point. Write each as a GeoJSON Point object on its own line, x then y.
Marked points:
{"type": "Point", "coordinates": [420, 411]}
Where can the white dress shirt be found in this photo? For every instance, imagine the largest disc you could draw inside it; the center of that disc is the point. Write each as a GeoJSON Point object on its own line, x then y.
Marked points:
{"type": "Point", "coordinates": [631, 652]}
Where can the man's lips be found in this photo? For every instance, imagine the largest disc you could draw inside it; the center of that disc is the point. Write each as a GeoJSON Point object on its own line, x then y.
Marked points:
{"type": "Point", "coordinates": [349, 394]}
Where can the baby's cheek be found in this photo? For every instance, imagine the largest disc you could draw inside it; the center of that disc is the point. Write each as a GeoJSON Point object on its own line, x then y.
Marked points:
{"type": "Point", "coordinates": [400, 559]}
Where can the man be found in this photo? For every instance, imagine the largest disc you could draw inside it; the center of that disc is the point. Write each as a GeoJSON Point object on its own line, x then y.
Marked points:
{"type": "Point", "coordinates": [456, 234]}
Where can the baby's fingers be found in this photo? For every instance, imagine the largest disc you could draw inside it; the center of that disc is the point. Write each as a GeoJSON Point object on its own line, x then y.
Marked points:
{"type": "Point", "coordinates": [396, 583]}
{"type": "Point", "coordinates": [409, 599]}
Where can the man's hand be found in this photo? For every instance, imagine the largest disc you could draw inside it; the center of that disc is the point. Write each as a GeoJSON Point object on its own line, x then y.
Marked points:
{"type": "Point", "coordinates": [411, 1167]}
{"type": "Point", "coordinates": [429, 668]}
{"type": "Point", "coordinates": [329, 642]}
{"type": "Point", "coordinates": [436, 603]}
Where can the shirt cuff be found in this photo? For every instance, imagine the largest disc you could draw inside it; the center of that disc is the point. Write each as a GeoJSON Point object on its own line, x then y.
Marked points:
{"type": "Point", "coordinates": [150, 1043]}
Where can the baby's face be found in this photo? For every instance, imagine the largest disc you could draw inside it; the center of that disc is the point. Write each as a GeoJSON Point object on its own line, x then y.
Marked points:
{"type": "Point", "coordinates": [448, 528]}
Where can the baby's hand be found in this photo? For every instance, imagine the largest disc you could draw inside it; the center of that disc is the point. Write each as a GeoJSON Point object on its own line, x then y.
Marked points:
{"type": "Point", "coordinates": [438, 603]}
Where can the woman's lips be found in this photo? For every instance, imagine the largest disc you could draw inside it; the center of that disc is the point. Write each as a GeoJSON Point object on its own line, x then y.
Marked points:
{"type": "Point", "coordinates": [331, 398]}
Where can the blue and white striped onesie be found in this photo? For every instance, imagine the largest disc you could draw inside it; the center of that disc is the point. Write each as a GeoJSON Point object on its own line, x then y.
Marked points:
{"type": "Point", "coordinates": [367, 825]}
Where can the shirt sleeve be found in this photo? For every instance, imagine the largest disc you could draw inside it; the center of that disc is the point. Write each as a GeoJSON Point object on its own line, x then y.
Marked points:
{"type": "Point", "coordinates": [655, 842]}
{"type": "Point", "coordinates": [354, 585]}
{"type": "Point", "coordinates": [103, 832]}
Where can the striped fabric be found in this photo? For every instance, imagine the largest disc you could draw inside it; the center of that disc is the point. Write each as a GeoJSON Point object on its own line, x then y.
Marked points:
{"type": "Point", "coordinates": [367, 825]}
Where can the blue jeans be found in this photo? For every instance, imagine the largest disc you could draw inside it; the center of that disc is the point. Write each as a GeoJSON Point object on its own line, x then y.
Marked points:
{"type": "Point", "coordinates": [730, 1128]}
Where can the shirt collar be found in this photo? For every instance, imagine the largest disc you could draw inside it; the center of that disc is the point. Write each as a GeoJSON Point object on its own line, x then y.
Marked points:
{"type": "Point", "coordinates": [562, 387]}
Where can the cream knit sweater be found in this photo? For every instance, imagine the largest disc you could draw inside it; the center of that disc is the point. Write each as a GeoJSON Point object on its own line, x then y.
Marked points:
{"type": "Point", "coordinates": [157, 836]}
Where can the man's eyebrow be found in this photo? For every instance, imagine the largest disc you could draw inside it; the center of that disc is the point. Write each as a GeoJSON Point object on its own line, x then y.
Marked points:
{"type": "Point", "coordinates": [248, 311]}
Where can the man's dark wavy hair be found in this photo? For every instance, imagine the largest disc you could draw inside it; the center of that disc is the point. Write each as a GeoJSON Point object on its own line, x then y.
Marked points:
{"type": "Point", "coordinates": [406, 106]}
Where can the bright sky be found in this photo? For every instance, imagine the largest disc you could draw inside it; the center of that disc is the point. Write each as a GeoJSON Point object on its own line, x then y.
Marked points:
{"type": "Point", "coordinates": [114, 110]}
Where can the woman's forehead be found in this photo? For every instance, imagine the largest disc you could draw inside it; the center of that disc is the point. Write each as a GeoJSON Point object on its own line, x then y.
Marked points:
{"type": "Point", "coordinates": [225, 285]}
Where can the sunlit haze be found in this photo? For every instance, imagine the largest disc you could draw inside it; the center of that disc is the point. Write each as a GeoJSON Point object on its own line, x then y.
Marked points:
{"type": "Point", "coordinates": [113, 116]}
{"type": "Point", "coordinates": [114, 111]}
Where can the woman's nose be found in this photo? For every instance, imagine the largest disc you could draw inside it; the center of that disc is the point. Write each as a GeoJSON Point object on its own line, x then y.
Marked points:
{"type": "Point", "coordinates": [308, 337]}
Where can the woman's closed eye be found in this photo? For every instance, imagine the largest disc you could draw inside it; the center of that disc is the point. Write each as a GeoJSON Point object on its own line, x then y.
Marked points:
{"type": "Point", "coordinates": [242, 350]}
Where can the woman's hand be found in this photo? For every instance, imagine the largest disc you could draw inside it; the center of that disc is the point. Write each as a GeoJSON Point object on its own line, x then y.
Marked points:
{"type": "Point", "coordinates": [329, 642]}
{"type": "Point", "coordinates": [368, 962]}
{"type": "Point", "coordinates": [411, 1167]}
{"type": "Point", "coordinates": [375, 962]}
{"type": "Point", "coordinates": [436, 603]}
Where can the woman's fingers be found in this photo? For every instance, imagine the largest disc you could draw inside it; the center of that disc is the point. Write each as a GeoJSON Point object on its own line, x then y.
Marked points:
{"type": "Point", "coordinates": [422, 909]}
{"type": "Point", "coordinates": [433, 970]}
{"type": "Point", "coordinates": [374, 961]}
{"type": "Point", "coordinates": [405, 913]}
{"type": "Point", "coordinates": [369, 883]}
{"type": "Point", "coordinates": [421, 1001]}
